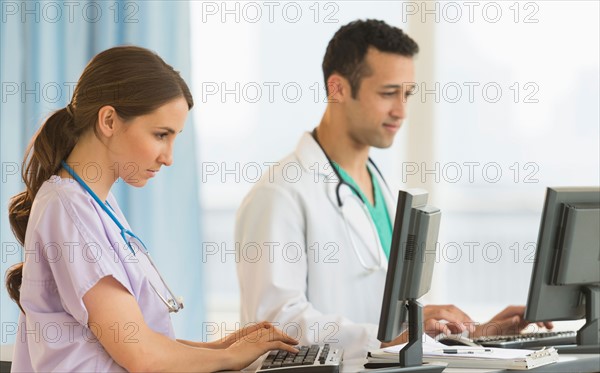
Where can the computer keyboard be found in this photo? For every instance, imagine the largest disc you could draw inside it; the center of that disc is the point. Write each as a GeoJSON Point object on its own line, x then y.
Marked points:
{"type": "Point", "coordinates": [530, 340]}
{"type": "Point", "coordinates": [310, 359]}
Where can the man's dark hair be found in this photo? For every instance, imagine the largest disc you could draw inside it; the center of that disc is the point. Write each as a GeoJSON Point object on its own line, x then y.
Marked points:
{"type": "Point", "coordinates": [347, 49]}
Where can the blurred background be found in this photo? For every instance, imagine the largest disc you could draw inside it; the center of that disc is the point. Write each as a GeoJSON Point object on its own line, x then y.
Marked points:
{"type": "Point", "coordinates": [507, 104]}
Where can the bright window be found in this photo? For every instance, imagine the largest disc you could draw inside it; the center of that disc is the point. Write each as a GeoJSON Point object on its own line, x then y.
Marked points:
{"type": "Point", "coordinates": [508, 105]}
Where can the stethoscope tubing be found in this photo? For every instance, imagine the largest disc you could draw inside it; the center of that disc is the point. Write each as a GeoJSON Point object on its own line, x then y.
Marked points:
{"type": "Point", "coordinates": [173, 304]}
{"type": "Point", "coordinates": [357, 195]}
{"type": "Point", "coordinates": [340, 180]}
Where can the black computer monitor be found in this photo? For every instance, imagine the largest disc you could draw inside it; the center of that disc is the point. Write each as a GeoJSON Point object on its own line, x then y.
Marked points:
{"type": "Point", "coordinates": [409, 273]}
{"type": "Point", "coordinates": [565, 283]}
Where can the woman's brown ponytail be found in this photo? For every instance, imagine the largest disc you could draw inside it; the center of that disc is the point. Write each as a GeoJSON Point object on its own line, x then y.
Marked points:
{"type": "Point", "coordinates": [52, 143]}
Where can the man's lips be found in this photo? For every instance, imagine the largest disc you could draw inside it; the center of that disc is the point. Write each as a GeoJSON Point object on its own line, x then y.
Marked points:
{"type": "Point", "coordinates": [391, 126]}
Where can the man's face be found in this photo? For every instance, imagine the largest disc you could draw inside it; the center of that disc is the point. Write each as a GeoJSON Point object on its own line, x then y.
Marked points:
{"type": "Point", "coordinates": [376, 114]}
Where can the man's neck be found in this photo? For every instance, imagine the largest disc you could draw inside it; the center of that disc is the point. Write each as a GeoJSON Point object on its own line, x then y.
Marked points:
{"type": "Point", "coordinates": [342, 149]}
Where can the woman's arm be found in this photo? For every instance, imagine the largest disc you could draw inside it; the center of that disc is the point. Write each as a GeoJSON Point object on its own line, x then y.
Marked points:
{"type": "Point", "coordinates": [231, 338]}
{"type": "Point", "coordinates": [211, 345]}
{"type": "Point", "coordinates": [113, 310]}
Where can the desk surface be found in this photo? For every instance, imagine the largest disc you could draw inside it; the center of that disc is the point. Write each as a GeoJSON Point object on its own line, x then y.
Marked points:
{"type": "Point", "coordinates": [567, 363]}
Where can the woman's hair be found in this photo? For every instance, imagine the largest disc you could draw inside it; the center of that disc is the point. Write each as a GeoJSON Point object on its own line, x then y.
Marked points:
{"type": "Point", "coordinates": [133, 80]}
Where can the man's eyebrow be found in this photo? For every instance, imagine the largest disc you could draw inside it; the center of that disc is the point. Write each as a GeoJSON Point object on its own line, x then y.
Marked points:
{"type": "Point", "coordinates": [407, 85]}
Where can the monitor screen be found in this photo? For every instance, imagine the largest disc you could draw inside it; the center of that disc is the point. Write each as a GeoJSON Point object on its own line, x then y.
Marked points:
{"type": "Point", "coordinates": [566, 271]}
{"type": "Point", "coordinates": [412, 256]}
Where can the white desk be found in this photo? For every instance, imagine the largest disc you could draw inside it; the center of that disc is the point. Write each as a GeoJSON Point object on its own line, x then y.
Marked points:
{"type": "Point", "coordinates": [584, 363]}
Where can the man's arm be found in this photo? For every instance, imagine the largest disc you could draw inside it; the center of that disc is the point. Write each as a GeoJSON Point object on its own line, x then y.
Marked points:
{"type": "Point", "coordinates": [274, 287]}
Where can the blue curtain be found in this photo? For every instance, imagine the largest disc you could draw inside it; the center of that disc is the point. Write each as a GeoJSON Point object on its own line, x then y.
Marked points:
{"type": "Point", "coordinates": [45, 46]}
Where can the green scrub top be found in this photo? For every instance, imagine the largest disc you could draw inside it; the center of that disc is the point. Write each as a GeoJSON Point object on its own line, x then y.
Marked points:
{"type": "Point", "coordinates": [378, 211]}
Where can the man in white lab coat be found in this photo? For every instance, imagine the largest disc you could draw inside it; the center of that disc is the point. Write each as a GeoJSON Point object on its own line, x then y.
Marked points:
{"type": "Point", "coordinates": [313, 251]}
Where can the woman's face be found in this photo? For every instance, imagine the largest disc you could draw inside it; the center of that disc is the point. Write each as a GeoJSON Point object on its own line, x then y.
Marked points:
{"type": "Point", "coordinates": [144, 144]}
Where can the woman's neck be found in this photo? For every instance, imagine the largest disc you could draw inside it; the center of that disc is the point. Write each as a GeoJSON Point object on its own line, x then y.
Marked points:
{"type": "Point", "coordinates": [89, 161]}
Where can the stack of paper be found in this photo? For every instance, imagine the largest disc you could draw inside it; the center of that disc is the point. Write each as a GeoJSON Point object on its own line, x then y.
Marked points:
{"type": "Point", "coordinates": [471, 357]}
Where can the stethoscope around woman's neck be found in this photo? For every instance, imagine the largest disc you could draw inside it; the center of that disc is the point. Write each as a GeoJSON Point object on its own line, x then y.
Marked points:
{"type": "Point", "coordinates": [174, 304]}
{"type": "Point", "coordinates": [358, 195]}
{"type": "Point", "coordinates": [103, 205]}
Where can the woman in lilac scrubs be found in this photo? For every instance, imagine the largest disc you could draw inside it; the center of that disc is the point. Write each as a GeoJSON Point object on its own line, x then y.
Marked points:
{"type": "Point", "coordinates": [89, 301]}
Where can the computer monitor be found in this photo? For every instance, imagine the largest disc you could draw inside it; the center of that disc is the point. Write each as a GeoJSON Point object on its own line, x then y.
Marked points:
{"type": "Point", "coordinates": [565, 283]}
{"type": "Point", "coordinates": [409, 273]}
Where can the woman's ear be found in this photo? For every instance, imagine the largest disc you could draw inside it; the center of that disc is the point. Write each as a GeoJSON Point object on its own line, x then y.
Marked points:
{"type": "Point", "coordinates": [107, 121]}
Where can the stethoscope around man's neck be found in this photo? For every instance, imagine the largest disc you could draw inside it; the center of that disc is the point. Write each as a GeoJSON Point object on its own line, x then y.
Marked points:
{"type": "Point", "coordinates": [175, 303]}
{"type": "Point", "coordinates": [341, 180]}
{"type": "Point", "coordinates": [358, 195]}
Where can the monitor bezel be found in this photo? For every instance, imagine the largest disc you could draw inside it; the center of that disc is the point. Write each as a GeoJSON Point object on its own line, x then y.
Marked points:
{"type": "Point", "coordinates": [546, 301]}
{"type": "Point", "coordinates": [405, 282]}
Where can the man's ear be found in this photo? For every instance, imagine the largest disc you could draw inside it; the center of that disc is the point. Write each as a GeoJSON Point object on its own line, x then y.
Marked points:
{"type": "Point", "coordinates": [338, 89]}
{"type": "Point", "coordinates": [107, 121]}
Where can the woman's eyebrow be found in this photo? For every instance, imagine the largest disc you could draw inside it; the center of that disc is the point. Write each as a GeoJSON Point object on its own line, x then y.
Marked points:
{"type": "Point", "coordinates": [169, 129]}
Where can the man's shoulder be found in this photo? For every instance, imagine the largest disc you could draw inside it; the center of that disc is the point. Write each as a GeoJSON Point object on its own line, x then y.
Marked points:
{"type": "Point", "coordinates": [296, 177]}
{"type": "Point", "coordinates": [285, 173]}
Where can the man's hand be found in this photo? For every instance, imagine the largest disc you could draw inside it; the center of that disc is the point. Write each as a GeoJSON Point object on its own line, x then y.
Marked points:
{"type": "Point", "coordinates": [447, 319]}
{"type": "Point", "coordinates": [402, 338]}
{"type": "Point", "coordinates": [509, 321]}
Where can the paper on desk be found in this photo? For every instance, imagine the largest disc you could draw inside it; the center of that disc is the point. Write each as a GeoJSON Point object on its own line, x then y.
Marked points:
{"type": "Point", "coordinates": [432, 348]}
{"type": "Point", "coordinates": [489, 357]}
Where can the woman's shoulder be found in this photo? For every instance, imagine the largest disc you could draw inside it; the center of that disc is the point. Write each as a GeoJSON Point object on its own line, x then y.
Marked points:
{"type": "Point", "coordinates": [64, 215]}
{"type": "Point", "coordinates": [57, 192]}
{"type": "Point", "coordinates": [59, 197]}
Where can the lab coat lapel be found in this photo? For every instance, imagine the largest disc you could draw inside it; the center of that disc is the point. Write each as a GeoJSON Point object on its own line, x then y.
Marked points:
{"type": "Point", "coordinates": [388, 196]}
{"type": "Point", "coordinates": [362, 228]}
{"type": "Point", "coordinates": [313, 159]}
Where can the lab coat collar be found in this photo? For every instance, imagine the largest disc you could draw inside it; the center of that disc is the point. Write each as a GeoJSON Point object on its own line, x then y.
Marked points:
{"type": "Point", "coordinates": [313, 159]}
{"type": "Point", "coordinates": [311, 156]}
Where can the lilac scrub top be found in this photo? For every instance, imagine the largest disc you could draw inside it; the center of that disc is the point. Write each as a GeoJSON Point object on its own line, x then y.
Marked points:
{"type": "Point", "coordinates": [70, 244]}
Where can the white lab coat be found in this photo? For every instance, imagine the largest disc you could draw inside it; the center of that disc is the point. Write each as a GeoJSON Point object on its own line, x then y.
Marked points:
{"type": "Point", "coordinates": [296, 264]}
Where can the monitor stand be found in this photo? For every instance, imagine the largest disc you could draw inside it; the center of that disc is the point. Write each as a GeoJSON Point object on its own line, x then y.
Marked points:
{"type": "Point", "coordinates": [411, 356]}
{"type": "Point", "coordinates": [588, 337]}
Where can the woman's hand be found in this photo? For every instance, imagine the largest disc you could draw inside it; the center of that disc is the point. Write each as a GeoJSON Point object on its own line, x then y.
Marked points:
{"type": "Point", "coordinates": [235, 336]}
{"type": "Point", "coordinates": [248, 344]}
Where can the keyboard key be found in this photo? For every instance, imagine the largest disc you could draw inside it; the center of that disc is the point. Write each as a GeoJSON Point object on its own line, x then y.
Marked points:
{"type": "Point", "coordinates": [530, 340]}
{"type": "Point", "coordinates": [309, 359]}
